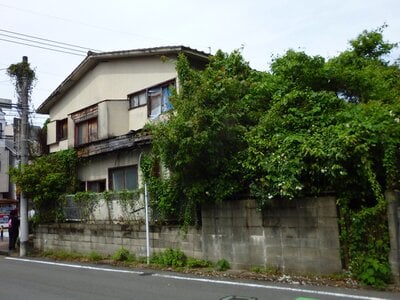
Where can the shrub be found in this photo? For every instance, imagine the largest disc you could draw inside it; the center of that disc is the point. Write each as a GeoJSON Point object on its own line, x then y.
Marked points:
{"type": "Point", "coordinates": [198, 263]}
{"type": "Point", "coordinates": [170, 258]}
{"type": "Point", "coordinates": [372, 271]}
{"type": "Point", "coordinates": [123, 254]}
{"type": "Point", "coordinates": [222, 265]}
{"type": "Point", "coordinates": [94, 256]}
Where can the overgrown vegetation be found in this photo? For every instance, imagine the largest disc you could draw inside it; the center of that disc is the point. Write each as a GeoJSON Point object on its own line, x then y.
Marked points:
{"type": "Point", "coordinates": [309, 126]}
{"type": "Point", "coordinates": [123, 254]}
{"type": "Point", "coordinates": [173, 258]}
{"type": "Point", "coordinates": [222, 265]}
{"type": "Point", "coordinates": [23, 76]}
{"type": "Point", "coordinates": [45, 180]}
{"type": "Point", "coordinates": [87, 203]}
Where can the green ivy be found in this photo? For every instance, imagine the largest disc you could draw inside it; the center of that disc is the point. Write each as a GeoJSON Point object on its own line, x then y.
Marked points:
{"type": "Point", "coordinates": [46, 180]}
{"type": "Point", "coordinates": [87, 203]}
{"type": "Point", "coordinates": [128, 201]}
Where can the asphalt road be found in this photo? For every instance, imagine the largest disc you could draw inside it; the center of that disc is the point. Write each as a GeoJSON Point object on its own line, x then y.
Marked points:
{"type": "Point", "coordinates": [35, 279]}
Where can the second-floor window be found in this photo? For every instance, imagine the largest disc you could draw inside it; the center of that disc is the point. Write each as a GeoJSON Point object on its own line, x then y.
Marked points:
{"type": "Point", "coordinates": [157, 99]}
{"type": "Point", "coordinates": [85, 121]}
{"type": "Point", "coordinates": [62, 129]}
{"type": "Point", "coordinates": [86, 131]}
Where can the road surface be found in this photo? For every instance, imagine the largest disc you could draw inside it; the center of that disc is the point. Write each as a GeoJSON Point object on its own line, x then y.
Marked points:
{"type": "Point", "coordinates": [41, 279]}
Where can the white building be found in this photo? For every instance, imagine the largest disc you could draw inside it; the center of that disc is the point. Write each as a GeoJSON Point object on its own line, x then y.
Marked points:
{"type": "Point", "coordinates": [101, 108]}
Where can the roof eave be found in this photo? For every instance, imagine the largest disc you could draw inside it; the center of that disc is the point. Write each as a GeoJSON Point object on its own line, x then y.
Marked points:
{"type": "Point", "coordinates": [92, 59]}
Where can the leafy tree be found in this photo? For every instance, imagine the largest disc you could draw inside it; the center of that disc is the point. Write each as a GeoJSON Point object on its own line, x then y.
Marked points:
{"type": "Point", "coordinates": [307, 127]}
{"type": "Point", "coordinates": [202, 141]}
{"type": "Point", "coordinates": [333, 130]}
{"type": "Point", "coordinates": [362, 73]}
{"type": "Point", "coordinates": [45, 180]}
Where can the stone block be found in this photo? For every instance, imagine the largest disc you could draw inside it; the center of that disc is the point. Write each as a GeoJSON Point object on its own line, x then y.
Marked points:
{"type": "Point", "coordinates": [309, 243]}
{"type": "Point", "coordinates": [271, 221]}
{"type": "Point", "coordinates": [290, 232]}
{"type": "Point", "coordinates": [272, 232]}
{"type": "Point", "coordinates": [308, 233]}
{"type": "Point", "coordinates": [254, 219]}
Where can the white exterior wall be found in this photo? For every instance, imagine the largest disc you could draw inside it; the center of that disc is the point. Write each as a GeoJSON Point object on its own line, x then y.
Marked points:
{"type": "Point", "coordinates": [109, 81]}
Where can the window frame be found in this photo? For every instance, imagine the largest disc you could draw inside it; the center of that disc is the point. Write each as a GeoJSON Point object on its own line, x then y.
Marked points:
{"type": "Point", "coordinates": [89, 127]}
{"type": "Point", "coordinates": [101, 183]}
{"type": "Point", "coordinates": [146, 91]}
{"type": "Point", "coordinates": [111, 171]}
{"type": "Point", "coordinates": [62, 129]}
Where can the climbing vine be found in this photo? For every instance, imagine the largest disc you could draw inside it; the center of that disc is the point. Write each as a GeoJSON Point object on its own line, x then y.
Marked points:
{"type": "Point", "coordinates": [309, 126]}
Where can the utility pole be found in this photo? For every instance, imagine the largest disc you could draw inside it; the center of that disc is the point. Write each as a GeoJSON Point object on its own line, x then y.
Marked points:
{"type": "Point", "coordinates": [24, 160]}
{"type": "Point", "coordinates": [24, 77]}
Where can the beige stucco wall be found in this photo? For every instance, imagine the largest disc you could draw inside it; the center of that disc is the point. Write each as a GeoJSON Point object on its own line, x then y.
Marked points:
{"type": "Point", "coordinates": [4, 177]}
{"type": "Point", "coordinates": [111, 81]}
{"type": "Point", "coordinates": [117, 118]}
{"type": "Point", "coordinates": [96, 168]}
{"type": "Point", "coordinates": [137, 118]}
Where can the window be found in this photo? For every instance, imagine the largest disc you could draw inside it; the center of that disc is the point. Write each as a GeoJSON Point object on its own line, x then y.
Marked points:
{"type": "Point", "coordinates": [86, 131]}
{"type": "Point", "coordinates": [97, 186]}
{"type": "Point", "coordinates": [125, 178]}
{"type": "Point", "coordinates": [85, 125]}
{"type": "Point", "coordinates": [138, 99]}
{"type": "Point", "coordinates": [156, 98]}
{"type": "Point", "coordinates": [62, 129]}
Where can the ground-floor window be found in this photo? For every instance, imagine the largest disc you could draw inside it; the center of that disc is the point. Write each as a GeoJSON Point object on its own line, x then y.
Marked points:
{"type": "Point", "coordinates": [123, 178]}
{"type": "Point", "coordinates": [97, 186]}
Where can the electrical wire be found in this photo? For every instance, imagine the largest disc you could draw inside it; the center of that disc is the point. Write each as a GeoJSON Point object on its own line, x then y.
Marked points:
{"type": "Point", "coordinates": [50, 41]}
{"type": "Point", "coordinates": [42, 43]}
{"type": "Point", "coordinates": [45, 48]}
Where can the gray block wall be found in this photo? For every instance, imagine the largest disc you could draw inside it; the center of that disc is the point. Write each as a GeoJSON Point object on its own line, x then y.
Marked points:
{"type": "Point", "coordinates": [299, 236]}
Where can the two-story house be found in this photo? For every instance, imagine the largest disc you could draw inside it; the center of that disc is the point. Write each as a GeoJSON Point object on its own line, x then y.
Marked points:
{"type": "Point", "coordinates": [101, 107]}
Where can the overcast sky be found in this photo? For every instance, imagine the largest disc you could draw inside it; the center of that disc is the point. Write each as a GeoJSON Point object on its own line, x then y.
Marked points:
{"type": "Point", "coordinates": [262, 27]}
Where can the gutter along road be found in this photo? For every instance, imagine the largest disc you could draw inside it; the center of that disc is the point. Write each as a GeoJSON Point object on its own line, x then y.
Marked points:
{"type": "Point", "coordinates": [42, 279]}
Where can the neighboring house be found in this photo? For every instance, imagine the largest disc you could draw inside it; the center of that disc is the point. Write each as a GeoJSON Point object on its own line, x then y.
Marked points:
{"type": "Point", "coordinates": [8, 158]}
{"type": "Point", "coordinates": [101, 107]}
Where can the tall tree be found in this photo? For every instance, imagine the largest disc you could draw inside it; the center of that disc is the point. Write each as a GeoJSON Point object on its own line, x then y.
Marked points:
{"type": "Point", "coordinates": [202, 141]}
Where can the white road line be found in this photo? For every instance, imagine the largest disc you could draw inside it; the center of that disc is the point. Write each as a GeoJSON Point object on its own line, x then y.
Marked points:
{"type": "Point", "coordinates": [271, 287]}
{"type": "Point", "coordinates": [74, 266]}
{"type": "Point", "coordinates": [261, 286]}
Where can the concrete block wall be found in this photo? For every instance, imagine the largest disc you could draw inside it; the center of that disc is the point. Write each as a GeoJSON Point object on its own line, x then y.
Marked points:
{"type": "Point", "coordinates": [106, 239]}
{"type": "Point", "coordinates": [300, 236]}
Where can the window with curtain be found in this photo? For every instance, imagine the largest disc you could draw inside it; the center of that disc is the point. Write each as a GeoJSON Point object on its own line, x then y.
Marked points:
{"type": "Point", "coordinates": [157, 99]}
{"type": "Point", "coordinates": [123, 178]}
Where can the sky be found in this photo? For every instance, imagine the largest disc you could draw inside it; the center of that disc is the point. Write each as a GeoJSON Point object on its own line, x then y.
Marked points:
{"type": "Point", "coordinates": [263, 29]}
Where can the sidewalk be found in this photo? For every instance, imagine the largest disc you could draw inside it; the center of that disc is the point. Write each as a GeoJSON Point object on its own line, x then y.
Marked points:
{"type": "Point", "coordinates": [4, 246]}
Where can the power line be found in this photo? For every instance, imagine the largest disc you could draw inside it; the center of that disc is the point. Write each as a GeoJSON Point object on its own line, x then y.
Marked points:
{"type": "Point", "coordinates": [102, 28]}
{"type": "Point", "coordinates": [51, 41]}
{"type": "Point", "coordinates": [45, 48]}
{"type": "Point", "coordinates": [42, 43]}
